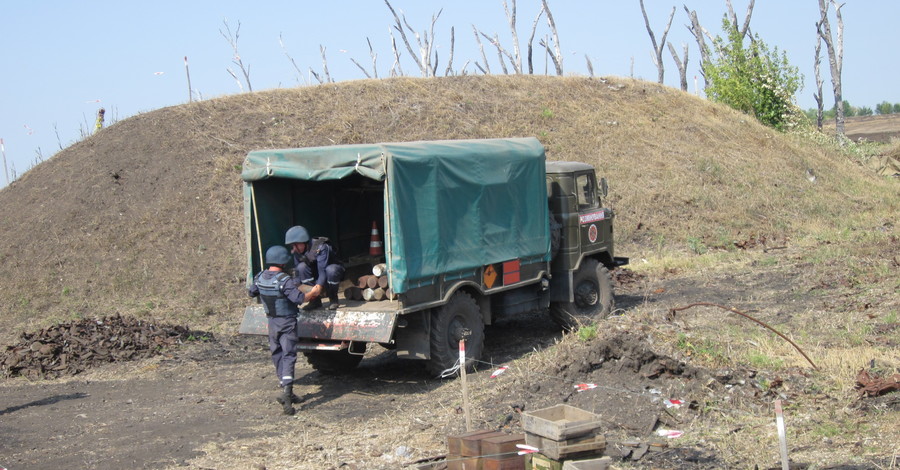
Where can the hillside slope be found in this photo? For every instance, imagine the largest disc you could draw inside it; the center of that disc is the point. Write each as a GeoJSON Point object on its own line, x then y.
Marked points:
{"type": "Point", "coordinates": [145, 216]}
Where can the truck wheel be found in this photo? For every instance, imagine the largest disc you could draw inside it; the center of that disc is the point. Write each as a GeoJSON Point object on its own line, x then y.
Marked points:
{"type": "Point", "coordinates": [593, 296]}
{"type": "Point", "coordinates": [448, 324]}
{"type": "Point", "coordinates": [332, 362]}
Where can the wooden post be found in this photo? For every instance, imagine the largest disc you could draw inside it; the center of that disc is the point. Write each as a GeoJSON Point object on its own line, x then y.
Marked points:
{"type": "Point", "coordinates": [465, 389]}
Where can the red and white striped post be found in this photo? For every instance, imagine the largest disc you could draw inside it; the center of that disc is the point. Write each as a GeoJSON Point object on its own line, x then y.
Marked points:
{"type": "Point", "coordinates": [462, 375]}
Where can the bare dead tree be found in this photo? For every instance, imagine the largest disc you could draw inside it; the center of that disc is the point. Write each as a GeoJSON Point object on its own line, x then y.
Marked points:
{"type": "Point", "coordinates": [487, 66]}
{"type": "Point", "coordinates": [682, 66]}
{"type": "Point", "coordinates": [835, 47]}
{"type": "Point", "coordinates": [374, 57]}
{"type": "Point", "coordinates": [531, 40]}
{"type": "Point", "coordinates": [449, 70]}
{"type": "Point", "coordinates": [511, 19]}
{"type": "Point", "coordinates": [396, 68]}
{"type": "Point", "coordinates": [658, 47]}
{"type": "Point", "coordinates": [291, 59]}
{"type": "Point", "coordinates": [495, 41]}
{"type": "Point", "coordinates": [590, 66]}
{"type": "Point", "coordinates": [745, 29]}
{"type": "Point", "coordinates": [232, 39]}
{"type": "Point", "coordinates": [328, 78]}
{"type": "Point", "coordinates": [555, 54]}
{"type": "Point", "coordinates": [424, 41]}
{"type": "Point", "coordinates": [700, 34]}
{"type": "Point", "coordinates": [817, 95]}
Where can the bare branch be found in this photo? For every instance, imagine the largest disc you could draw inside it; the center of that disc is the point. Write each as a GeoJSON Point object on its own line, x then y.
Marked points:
{"type": "Point", "coordinates": [240, 86]}
{"type": "Point", "coordinates": [531, 40]}
{"type": "Point", "coordinates": [366, 73]}
{"type": "Point", "coordinates": [396, 68]}
{"type": "Point", "coordinates": [745, 29]}
{"type": "Point", "coordinates": [590, 66]}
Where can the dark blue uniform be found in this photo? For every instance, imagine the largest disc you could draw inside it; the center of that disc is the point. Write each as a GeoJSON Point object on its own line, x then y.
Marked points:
{"type": "Point", "coordinates": [320, 266]}
{"type": "Point", "coordinates": [280, 297]}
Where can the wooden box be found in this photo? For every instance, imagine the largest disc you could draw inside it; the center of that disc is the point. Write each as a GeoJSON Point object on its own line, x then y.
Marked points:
{"type": "Point", "coordinates": [513, 462]}
{"type": "Point", "coordinates": [469, 444]}
{"type": "Point", "coordinates": [592, 464]}
{"type": "Point", "coordinates": [560, 422]}
{"type": "Point", "coordinates": [586, 445]}
{"type": "Point", "coordinates": [499, 445]}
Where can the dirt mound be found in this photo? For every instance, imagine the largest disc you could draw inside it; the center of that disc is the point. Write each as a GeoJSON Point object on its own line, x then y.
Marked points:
{"type": "Point", "coordinates": [67, 349]}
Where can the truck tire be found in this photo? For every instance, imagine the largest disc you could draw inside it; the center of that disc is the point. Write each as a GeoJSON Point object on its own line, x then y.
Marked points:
{"type": "Point", "coordinates": [593, 297]}
{"type": "Point", "coordinates": [448, 323]}
{"type": "Point", "coordinates": [332, 362]}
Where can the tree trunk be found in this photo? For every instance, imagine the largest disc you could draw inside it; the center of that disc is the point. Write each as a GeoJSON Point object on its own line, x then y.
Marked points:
{"type": "Point", "coordinates": [835, 58]}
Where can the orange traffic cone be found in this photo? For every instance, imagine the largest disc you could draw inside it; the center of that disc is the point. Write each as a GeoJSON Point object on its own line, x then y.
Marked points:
{"type": "Point", "coordinates": [375, 246]}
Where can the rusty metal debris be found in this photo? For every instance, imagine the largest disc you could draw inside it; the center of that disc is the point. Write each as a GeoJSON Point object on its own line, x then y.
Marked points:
{"type": "Point", "coordinates": [873, 385]}
{"type": "Point", "coordinates": [734, 310]}
{"type": "Point", "coordinates": [70, 348]}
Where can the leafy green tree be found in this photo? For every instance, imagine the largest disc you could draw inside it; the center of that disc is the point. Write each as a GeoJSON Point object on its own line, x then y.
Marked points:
{"type": "Point", "coordinates": [850, 110]}
{"type": "Point", "coordinates": [752, 78]}
{"type": "Point", "coordinates": [864, 111]}
{"type": "Point", "coordinates": [896, 109]}
{"type": "Point", "coordinates": [884, 108]}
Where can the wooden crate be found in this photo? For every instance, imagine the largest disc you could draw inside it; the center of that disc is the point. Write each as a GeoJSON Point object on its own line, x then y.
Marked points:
{"type": "Point", "coordinates": [505, 444]}
{"type": "Point", "coordinates": [587, 445]}
{"type": "Point", "coordinates": [560, 422]}
{"type": "Point", "coordinates": [542, 462]}
{"type": "Point", "coordinates": [592, 464]}
{"type": "Point", "coordinates": [514, 462]}
{"type": "Point", "coordinates": [469, 444]}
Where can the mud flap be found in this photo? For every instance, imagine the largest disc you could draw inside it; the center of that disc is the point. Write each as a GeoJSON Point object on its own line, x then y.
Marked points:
{"type": "Point", "coordinates": [255, 321]}
{"type": "Point", "coordinates": [371, 327]}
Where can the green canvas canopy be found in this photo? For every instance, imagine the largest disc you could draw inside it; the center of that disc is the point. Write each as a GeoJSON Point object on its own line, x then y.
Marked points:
{"type": "Point", "coordinates": [449, 206]}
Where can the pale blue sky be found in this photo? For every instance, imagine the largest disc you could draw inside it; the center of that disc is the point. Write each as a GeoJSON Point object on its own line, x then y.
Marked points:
{"type": "Point", "coordinates": [60, 57]}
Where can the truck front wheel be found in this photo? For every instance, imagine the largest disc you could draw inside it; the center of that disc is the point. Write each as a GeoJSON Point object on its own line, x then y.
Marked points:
{"type": "Point", "coordinates": [593, 297]}
{"type": "Point", "coordinates": [457, 319]}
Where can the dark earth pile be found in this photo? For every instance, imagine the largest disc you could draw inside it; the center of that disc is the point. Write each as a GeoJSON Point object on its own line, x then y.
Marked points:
{"type": "Point", "coordinates": [67, 349]}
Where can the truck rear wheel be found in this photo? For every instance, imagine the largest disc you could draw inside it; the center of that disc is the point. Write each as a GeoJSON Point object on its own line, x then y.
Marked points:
{"type": "Point", "coordinates": [332, 362]}
{"type": "Point", "coordinates": [593, 297]}
{"type": "Point", "coordinates": [449, 324]}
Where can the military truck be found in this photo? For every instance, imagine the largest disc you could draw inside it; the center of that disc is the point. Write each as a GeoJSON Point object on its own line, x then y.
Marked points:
{"type": "Point", "coordinates": [472, 230]}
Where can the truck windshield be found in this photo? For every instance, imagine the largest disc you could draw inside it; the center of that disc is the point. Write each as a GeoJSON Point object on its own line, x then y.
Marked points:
{"type": "Point", "coordinates": [586, 189]}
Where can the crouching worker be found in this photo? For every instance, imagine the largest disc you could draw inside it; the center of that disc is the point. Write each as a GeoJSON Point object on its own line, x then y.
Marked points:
{"type": "Point", "coordinates": [280, 296]}
{"type": "Point", "coordinates": [316, 264]}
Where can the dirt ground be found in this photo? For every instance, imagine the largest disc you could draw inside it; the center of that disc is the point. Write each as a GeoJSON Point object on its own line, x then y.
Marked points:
{"type": "Point", "coordinates": [210, 404]}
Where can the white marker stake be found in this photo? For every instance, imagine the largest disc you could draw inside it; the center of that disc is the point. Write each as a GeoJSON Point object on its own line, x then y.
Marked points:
{"type": "Point", "coordinates": [462, 374]}
{"type": "Point", "coordinates": [782, 435]}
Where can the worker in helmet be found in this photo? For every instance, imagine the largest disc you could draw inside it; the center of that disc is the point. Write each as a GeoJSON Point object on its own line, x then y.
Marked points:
{"type": "Point", "coordinates": [280, 297]}
{"type": "Point", "coordinates": [317, 265]}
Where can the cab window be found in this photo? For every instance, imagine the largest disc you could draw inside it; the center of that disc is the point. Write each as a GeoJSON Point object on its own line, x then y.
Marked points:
{"type": "Point", "coordinates": [586, 188]}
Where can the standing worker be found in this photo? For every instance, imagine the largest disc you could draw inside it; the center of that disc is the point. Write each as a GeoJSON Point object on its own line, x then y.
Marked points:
{"type": "Point", "coordinates": [280, 296]}
{"type": "Point", "coordinates": [317, 265]}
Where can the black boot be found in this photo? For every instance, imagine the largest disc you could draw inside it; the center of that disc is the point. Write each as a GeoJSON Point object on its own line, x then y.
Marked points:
{"type": "Point", "coordinates": [332, 298]}
{"type": "Point", "coordinates": [286, 399]}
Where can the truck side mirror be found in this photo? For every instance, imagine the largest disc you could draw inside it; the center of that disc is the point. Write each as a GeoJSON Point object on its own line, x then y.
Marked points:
{"type": "Point", "coordinates": [604, 187]}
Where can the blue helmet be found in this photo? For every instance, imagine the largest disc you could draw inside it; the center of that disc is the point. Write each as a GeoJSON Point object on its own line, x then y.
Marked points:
{"type": "Point", "coordinates": [277, 255]}
{"type": "Point", "coordinates": [296, 234]}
